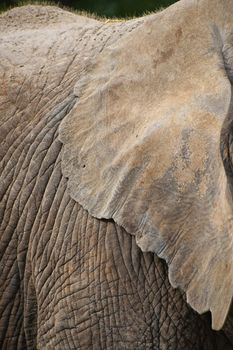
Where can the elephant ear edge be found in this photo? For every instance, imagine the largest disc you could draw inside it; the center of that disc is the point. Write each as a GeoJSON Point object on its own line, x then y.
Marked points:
{"type": "Point", "coordinates": [142, 146]}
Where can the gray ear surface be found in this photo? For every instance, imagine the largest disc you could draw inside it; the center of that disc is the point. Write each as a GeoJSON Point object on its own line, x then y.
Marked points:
{"type": "Point", "coordinates": [142, 146]}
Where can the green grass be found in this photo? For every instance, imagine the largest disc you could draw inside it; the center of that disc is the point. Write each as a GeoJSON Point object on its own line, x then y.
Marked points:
{"type": "Point", "coordinates": [66, 8]}
{"type": "Point", "coordinates": [98, 9]}
{"type": "Point", "coordinates": [63, 7]}
{"type": "Point", "coordinates": [52, 3]}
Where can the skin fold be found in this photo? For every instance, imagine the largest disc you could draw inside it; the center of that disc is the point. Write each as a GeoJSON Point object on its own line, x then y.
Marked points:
{"type": "Point", "coordinates": [69, 280]}
{"type": "Point", "coordinates": [72, 281]}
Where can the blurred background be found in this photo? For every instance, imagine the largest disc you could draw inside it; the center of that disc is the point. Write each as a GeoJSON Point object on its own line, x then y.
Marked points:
{"type": "Point", "coordinates": [108, 8]}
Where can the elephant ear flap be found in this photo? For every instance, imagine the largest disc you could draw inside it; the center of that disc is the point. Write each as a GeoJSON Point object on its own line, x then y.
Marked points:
{"type": "Point", "coordinates": [142, 146]}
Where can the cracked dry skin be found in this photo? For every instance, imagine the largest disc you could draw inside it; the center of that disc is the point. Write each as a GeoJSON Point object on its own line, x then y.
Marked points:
{"type": "Point", "coordinates": [69, 280]}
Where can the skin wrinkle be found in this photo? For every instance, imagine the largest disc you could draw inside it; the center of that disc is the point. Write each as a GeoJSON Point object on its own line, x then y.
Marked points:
{"type": "Point", "coordinates": [86, 282]}
{"type": "Point", "coordinates": [113, 163]}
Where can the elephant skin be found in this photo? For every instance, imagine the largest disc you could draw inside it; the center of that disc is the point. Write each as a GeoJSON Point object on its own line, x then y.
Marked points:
{"type": "Point", "coordinates": [83, 222]}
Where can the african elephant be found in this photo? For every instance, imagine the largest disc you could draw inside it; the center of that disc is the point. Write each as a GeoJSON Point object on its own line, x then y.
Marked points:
{"type": "Point", "coordinates": [116, 179]}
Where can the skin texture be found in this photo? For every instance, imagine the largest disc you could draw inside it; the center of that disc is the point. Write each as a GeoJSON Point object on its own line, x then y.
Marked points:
{"type": "Point", "coordinates": [69, 280]}
{"type": "Point", "coordinates": [159, 168]}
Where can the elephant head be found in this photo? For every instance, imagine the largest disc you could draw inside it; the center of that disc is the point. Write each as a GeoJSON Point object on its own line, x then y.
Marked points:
{"type": "Point", "coordinates": [148, 144]}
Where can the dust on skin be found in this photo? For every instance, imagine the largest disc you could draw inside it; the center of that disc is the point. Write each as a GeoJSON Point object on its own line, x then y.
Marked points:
{"type": "Point", "coordinates": [192, 159]}
{"type": "Point", "coordinates": [195, 160]}
{"type": "Point", "coordinates": [164, 56]}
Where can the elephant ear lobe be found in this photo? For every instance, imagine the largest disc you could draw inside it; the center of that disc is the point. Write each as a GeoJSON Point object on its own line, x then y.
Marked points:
{"type": "Point", "coordinates": [142, 146]}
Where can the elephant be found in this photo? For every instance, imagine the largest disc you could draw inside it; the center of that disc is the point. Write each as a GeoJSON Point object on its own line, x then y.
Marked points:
{"type": "Point", "coordinates": [116, 179]}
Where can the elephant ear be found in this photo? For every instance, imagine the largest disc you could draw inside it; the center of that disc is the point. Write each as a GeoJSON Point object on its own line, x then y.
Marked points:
{"type": "Point", "coordinates": [143, 146]}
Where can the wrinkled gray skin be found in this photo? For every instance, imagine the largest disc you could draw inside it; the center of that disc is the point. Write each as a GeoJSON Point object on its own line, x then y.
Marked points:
{"type": "Point", "coordinates": [68, 280]}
